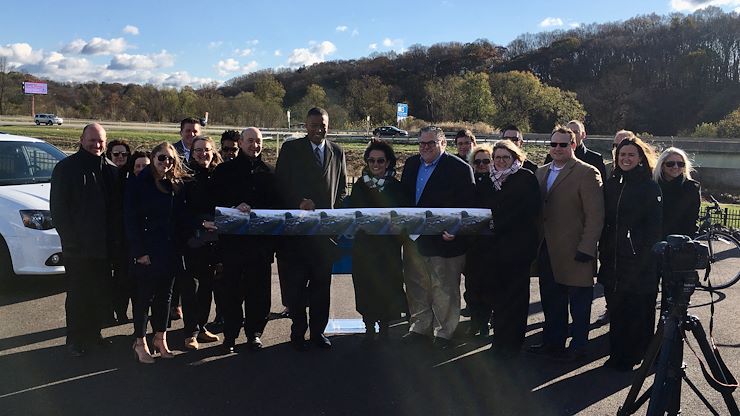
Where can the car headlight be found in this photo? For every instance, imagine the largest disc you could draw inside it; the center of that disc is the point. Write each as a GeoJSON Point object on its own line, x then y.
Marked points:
{"type": "Point", "coordinates": [37, 219]}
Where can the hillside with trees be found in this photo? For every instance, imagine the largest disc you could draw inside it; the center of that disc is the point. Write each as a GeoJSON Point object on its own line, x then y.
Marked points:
{"type": "Point", "coordinates": [659, 74]}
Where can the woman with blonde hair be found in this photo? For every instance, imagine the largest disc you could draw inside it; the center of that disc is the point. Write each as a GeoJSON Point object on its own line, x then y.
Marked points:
{"type": "Point", "coordinates": [681, 195]}
{"type": "Point", "coordinates": [154, 219]}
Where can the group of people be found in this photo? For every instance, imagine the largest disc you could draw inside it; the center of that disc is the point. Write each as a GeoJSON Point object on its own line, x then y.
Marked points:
{"type": "Point", "coordinates": [149, 223]}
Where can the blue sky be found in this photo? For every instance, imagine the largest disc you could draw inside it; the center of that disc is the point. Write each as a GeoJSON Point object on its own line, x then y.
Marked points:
{"type": "Point", "coordinates": [178, 43]}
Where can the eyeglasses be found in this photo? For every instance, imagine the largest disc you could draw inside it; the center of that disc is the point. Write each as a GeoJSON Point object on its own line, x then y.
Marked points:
{"type": "Point", "coordinates": [202, 150]}
{"type": "Point", "coordinates": [379, 161]}
{"type": "Point", "coordinates": [502, 157]}
{"type": "Point", "coordinates": [555, 144]}
{"type": "Point", "coordinates": [430, 143]}
{"type": "Point", "coordinates": [477, 162]}
{"type": "Point", "coordinates": [229, 149]}
{"type": "Point", "coordinates": [672, 163]}
{"type": "Point", "coordinates": [118, 154]}
{"type": "Point", "coordinates": [163, 158]}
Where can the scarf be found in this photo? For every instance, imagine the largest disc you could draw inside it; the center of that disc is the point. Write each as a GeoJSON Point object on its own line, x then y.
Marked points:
{"type": "Point", "coordinates": [373, 182]}
{"type": "Point", "coordinates": [499, 176]}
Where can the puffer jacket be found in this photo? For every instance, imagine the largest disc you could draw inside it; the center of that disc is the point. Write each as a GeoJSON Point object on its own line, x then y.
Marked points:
{"type": "Point", "coordinates": [632, 226]}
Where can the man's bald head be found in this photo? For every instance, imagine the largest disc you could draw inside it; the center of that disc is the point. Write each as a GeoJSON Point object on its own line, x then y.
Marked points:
{"type": "Point", "coordinates": [93, 139]}
{"type": "Point", "coordinates": [250, 142]}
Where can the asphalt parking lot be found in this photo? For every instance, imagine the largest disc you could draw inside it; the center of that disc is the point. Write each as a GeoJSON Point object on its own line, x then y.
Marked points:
{"type": "Point", "coordinates": [38, 377]}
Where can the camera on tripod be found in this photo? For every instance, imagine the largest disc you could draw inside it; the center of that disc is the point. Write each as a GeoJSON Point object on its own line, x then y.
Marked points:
{"type": "Point", "coordinates": [680, 258]}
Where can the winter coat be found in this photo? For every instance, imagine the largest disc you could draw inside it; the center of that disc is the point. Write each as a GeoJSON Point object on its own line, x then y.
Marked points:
{"type": "Point", "coordinates": [633, 224]}
{"type": "Point", "coordinates": [85, 205]}
{"type": "Point", "coordinates": [681, 203]}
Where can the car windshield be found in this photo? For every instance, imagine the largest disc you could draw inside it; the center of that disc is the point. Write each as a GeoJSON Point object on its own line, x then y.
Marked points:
{"type": "Point", "coordinates": [27, 162]}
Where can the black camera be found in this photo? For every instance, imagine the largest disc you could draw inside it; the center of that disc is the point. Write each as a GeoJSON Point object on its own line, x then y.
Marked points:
{"type": "Point", "coordinates": [681, 253]}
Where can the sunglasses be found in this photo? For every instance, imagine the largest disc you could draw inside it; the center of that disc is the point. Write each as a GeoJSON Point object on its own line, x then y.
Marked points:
{"type": "Point", "coordinates": [502, 157]}
{"type": "Point", "coordinates": [117, 154]}
{"type": "Point", "coordinates": [477, 162]}
{"type": "Point", "coordinates": [512, 138]}
{"type": "Point", "coordinates": [672, 163]}
{"type": "Point", "coordinates": [163, 158]}
{"type": "Point", "coordinates": [379, 161]}
{"type": "Point", "coordinates": [554, 144]}
{"type": "Point", "coordinates": [429, 143]}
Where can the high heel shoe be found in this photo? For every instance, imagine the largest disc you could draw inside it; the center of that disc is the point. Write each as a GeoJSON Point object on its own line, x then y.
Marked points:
{"type": "Point", "coordinates": [160, 345]}
{"type": "Point", "coordinates": [141, 352]}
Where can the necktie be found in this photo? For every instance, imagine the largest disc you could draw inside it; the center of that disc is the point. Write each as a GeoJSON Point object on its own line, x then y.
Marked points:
{"type": "Point", "coordinates": [317, 156]}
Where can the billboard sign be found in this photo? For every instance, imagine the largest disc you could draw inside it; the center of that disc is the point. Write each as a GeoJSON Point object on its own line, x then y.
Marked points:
{"type": "Point", "coordinates": [35, 88]}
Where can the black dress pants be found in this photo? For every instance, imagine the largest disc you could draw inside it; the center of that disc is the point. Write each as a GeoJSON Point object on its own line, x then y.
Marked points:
{"type": "Point", "coordinates": [305, 266]}
{"type": "Point", "coordinates": [509, 295]}
{"type": "Point", "coordinates": [88, 298]}
{"type": "Point", "coordinates": [245, 280]}
{"type": "Point", "coordinates": [631, 325]}
{"type": "Point", "coordinates": [197, 288]}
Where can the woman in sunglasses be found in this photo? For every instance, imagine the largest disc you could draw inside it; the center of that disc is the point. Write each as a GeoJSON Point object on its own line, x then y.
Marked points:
{"type": "Point", "coordinates": [154, 218]}
{"type": "Point", "coordinates": [377, 272]}
{"type": "Point", "coordinates": [513, 195]}
{"type": "Point", "coordinates": [632, 225]}
{"type": "Point", "coordinates": [118, 152]}
{"type": "Point", "coordinates": [681, 198]}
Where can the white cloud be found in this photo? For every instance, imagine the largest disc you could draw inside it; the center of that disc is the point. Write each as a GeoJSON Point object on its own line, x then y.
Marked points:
{"type": "Point", "coordinates": [278, 52]}
{"type": "Point", "coordinates": [341, 28]}
{"type": "Point", "coordinates": [315, 53]}
{"type": "Point", "coordinates": [243, 52]}
{"type": "Point", "coordinates": [574, 24]}
{"type": "Point", "coordinates": [253, 42]}
{"type": "Point", "coordinates": [20, 53]}
{"type": "Point", "coordinates": [393, 43]}
{"type": "Point", "coordinates": [355, 32]}
{"type": "Point", "coordinates": [372, 46]}
{"type": "Point", "coordinates": [141, 62]}
{"type": "Point", "coordinates": [96, 46]}
{"type": "Point", "coordinates": [231, 66]}
{"type": "Point", "coordinates": [178, 79]}
{"type": "Point", "coordinates": [131, 30]}
{"type": "Point", "coordinates": [694, 5]}
{"type": "Point", "coordinates": [551, 22]}
{"type": "Point", "coordinates": [215, 44]}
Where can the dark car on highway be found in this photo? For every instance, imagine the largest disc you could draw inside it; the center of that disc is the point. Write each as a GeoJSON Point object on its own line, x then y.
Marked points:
{"type": "Point", "coordinates": [390, 131]}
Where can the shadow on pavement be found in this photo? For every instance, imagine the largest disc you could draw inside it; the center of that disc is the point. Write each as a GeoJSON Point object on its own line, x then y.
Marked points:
{"type": "Point", "coordinates": [25, 288]}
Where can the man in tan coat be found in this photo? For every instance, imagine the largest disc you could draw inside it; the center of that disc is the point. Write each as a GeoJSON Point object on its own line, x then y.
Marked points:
{"type": "Point", "coordinates": [572, 218]}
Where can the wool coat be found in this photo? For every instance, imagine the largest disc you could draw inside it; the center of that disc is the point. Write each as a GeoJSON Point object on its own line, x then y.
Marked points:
{"type": "Point", "coordinates": [572, 220]}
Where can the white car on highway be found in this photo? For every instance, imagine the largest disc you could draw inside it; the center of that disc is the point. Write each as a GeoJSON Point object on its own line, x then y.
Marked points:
{"type": "Point", "coordinates": [29, 243]}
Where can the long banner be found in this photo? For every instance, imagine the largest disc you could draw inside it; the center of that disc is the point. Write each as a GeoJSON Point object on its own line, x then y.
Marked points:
{"type": "Point", "coordinates": [379, 221]}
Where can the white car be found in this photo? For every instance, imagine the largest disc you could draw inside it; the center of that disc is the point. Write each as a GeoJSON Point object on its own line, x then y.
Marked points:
{"type": "Point", "coordinates": [29, 243]}
{"type": "Point", "coordinates": [47, 119]}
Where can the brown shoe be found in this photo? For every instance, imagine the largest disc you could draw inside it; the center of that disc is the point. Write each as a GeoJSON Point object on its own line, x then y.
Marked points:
{"type": "Point", "coordinates": [191, 343]}
{"type": "Point", "coordinates": [206, 336]}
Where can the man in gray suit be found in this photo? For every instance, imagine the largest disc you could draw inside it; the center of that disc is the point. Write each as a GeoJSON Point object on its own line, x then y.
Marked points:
{"type": "Point", "coordinates": [312, 174]}
{"type": "Point", "coordinates": [189, 130]}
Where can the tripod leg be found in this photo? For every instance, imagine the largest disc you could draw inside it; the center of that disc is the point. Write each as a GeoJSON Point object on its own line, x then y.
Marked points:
{"type": "Point", "coordinates": [701, 397]}
{"type": "Point", "coordinates": [693, 324]}
{"type": "Point", "coordinates": [632, 402]}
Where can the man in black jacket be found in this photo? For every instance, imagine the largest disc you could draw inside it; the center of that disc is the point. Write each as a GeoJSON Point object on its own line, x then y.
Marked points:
{"type": "Point", "coordinates": [582, 153]}
{"type": "Point", "coordinates": [311, 174]}
{"type": "Point", "coordinates": [246, 183]}
{"type": "Point", "coordinates": [85, 205]}
{"type": "Point", "coordinates": [433, 264]}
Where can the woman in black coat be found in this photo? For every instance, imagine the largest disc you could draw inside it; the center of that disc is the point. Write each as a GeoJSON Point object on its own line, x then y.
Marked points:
{"type": "Point", "coordinates": [681, 195]}
{"type": "Point", "coordinates": [154, 221]}
{"type": "Point", "coordinates": [628, 271]}
{"type": "Point", "coordinates": [377, 271]}
{"type": "Point", "coordinates": [197, 283]}
{"type": "Point", "coordinates": [501, 261]}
